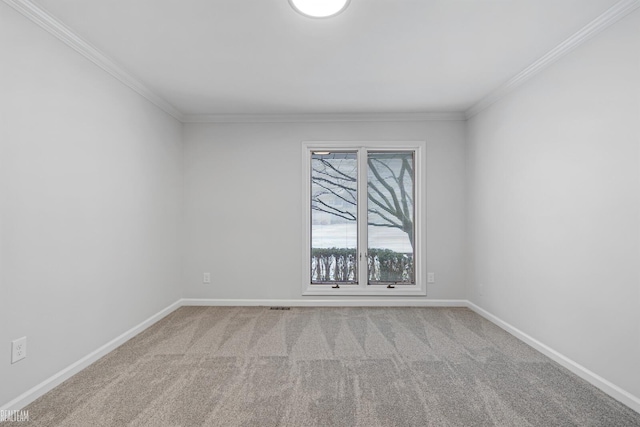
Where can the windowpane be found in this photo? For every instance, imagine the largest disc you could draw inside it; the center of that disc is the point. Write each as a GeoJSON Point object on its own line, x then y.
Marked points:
{"type": "Point", "coordinates": [390, 217]}
{"type": "Point", "coordinates": [334, 229]}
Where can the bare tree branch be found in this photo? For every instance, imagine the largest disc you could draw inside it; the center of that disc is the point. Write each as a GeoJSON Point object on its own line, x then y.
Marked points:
{"type": "Point", "coordinates": [409, 166]}
{"type": "Point", "coordinates": [316, 179]}
{"type": "Point", "coordinates": [390, 195]}
{"type": "Point", "coordinates": [385, 218]}
{"type": "Point", "coordinates": [330, 176]}
{"type": "Point", "coordinates": [343, 212]}
{"type": "Point", "coordinates": [385, 185]}
{"type": "Point", "coordinates": [403, 192]}
{"type": "Point", "coordinates": [395, 178]}
{"type": "Point", "coordinates": [351, 202]}
{"type": "Point", "coordinates": [333, 210]}
{"type": "Point", "coordinates": [385, 225]}
{"type": "Point", "coordinates": [388, 207]}
{"type": "Point", "coordinates": [346, 176]}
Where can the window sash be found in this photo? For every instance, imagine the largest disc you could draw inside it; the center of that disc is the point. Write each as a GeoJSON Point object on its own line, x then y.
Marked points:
{"type": "Point", "coordinates": [333, 184]}
{"type": "Point", "coordinates": [391, 203]}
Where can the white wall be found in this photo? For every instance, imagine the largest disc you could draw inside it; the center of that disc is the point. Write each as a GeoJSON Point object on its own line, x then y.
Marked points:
{"type": "Point", "coordinates": [90, 205]}
{"type": "Point", "coordinates": [553, 196]}
{"type": "Point", "coordinates": [243, 186]}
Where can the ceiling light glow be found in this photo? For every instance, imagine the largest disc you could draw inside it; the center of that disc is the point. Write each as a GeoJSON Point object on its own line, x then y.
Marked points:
{"type": "Point", "coordinates": [319, 8]}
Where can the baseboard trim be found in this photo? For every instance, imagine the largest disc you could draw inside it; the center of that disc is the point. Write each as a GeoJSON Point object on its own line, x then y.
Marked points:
{"type": "Point", "coordinates": [30, 395]}
{"type": "Point", "coordinates": [608, 387]}
{"type": "Point", "coordinates": [328, 302]}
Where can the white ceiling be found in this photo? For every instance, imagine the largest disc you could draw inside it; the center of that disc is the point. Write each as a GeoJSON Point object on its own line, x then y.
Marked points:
{"type": "Point", "coordinates": [209, 57]}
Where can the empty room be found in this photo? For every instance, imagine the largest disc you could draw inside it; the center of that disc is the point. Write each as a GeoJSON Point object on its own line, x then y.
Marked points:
{"type": "Point", "coordinates": [320, 213]}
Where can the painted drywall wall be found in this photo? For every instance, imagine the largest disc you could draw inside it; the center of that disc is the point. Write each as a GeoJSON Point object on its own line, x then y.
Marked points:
{"type": "Point", "coordinates": [553, 202]}
{"type": "Point", "coordinates": [90, 195]}
{"type": "Point", "coordinates": [243, 207]}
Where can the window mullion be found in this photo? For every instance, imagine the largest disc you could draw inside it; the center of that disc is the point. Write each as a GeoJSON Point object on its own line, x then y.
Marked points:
{"type": "Point", "coordinates": [363, 272]}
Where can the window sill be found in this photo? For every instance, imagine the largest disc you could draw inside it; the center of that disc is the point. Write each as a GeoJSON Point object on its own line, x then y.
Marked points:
{"type": "Point", "coordinates": [399, 290]}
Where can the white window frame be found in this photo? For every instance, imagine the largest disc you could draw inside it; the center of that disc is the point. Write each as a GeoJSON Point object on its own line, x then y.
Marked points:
{"type": "Point", "coordinates": [420, 261]}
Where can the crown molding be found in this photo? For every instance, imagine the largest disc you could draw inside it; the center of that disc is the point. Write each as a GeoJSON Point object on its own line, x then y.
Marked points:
{"type": "Point", "coordinates": [609, 17]}
{"type": "Point", "coordinates": [45, 20]}
{"type": "Point", "coordinates": [320, 118]}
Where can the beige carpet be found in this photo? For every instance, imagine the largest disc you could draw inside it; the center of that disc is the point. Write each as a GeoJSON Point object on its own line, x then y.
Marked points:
{"type": "Point", "coordinates": [251, 366]}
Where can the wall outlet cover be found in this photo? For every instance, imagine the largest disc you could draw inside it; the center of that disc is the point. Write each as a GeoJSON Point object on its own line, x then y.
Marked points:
{"type": "Point", "coordinates": [18, 349]}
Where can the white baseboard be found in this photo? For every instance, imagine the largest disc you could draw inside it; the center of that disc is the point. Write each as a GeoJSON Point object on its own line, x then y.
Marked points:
{"type": "Point", "coordinates": [606, 386]}
{"type": "Point", "coordinates": [609, 388]}
{"type": "Point", "coordinates": [30, 395]}
{"type": "Point", "coordinates": [339, 302]}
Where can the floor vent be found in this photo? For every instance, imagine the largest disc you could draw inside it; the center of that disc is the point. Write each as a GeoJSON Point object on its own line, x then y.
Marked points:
{"type": "Point", "coordinates": [279, 308]}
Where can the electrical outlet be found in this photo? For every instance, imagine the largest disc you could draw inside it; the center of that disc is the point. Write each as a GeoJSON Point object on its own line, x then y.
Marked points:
{"type": "Point", "coordinates": [18, 349]}
{"type": "Point", "coordinates": [206, 277]}
{"type": "Point", "coordinates": [431, 277]}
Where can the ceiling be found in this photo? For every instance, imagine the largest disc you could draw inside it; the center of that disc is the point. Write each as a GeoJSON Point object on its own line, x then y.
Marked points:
{"type": "Point", "coordinates": [260, 57]}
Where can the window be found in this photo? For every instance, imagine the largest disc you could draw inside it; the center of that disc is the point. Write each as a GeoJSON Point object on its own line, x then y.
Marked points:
{"type": "Point", "coordinates": [363, 217]}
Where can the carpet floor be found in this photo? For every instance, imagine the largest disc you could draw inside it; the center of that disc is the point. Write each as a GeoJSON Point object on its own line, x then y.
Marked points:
{"type": "Point", "coordinates": [329, 366]}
